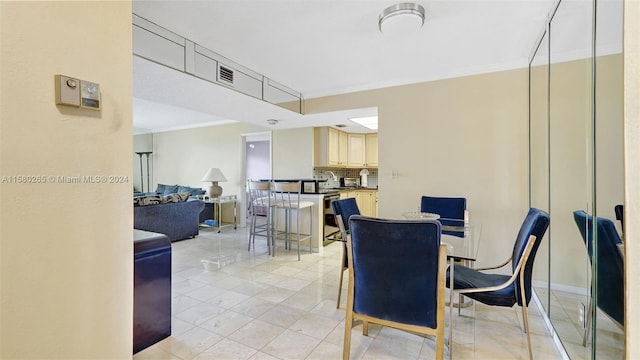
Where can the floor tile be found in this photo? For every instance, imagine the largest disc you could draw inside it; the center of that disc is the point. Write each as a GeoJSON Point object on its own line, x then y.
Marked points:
{"type": "Point", "coordinates": [257, 334]}
{"type": "Point", "coordinates": [259, 307]}
{"type": "Point", "coordinates": [291, 345]}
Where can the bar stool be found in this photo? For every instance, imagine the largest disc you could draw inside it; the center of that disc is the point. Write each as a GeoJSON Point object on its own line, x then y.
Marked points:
{"type": "Point", "coordinates": [287, 199]}
{"type": "Point", "coordinates": [262, 204]}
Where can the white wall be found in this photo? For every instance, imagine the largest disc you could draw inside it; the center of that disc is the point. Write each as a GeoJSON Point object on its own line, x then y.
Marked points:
{"type": "Point", "coordinates": [183, 156]}
{"type": "Point", "coordinates": [66, 252]}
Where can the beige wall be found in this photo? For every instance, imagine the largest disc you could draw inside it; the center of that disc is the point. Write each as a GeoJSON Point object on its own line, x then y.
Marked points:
{"type": "Point", "coordinates": [293, 154]}
{"type": "Point", "coordinates": [632, 175]}
{"type": "Point", "coordinates": [66, 253]}
{"type": "Point", "coordinates": [456, 137]}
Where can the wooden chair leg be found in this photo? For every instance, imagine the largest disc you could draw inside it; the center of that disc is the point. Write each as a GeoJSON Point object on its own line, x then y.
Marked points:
{"type": "Point", "coordinates": [525, 317]}
{"type": "Point", "coordinates": [348, 323]}
{"type": "Point", "coordinates": [440, 345]}
{"type": "Point", "coordinates": [344, 256]}
{"type": "Point", "coordinates": [365, 328]}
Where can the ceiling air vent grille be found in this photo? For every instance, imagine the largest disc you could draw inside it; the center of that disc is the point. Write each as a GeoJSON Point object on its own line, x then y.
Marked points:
{"type": "Point", "coordinates": [225, 75]}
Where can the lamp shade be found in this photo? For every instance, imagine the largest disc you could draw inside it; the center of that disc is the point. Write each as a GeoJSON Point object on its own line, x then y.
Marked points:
{"type": "Point", "coordinates": [214, 174]}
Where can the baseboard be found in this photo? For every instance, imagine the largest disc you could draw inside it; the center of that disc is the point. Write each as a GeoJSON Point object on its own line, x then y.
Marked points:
{"type": "Point", "coordinates": [565, 288]}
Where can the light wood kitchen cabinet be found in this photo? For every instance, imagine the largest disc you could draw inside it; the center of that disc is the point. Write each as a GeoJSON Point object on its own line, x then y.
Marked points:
{"type": "Point", "coordinates": [371, 150]}
{"type": "Point", "coordinates": [330, 147]}
{"type": "Point", "coordinates": [343, 146]}
{"type": "Point", "coordinates": [335, 148]}
{"type": "Point", "coordinates": [367, 200]}
{"type": "Point", "coordinates": [357, 152]}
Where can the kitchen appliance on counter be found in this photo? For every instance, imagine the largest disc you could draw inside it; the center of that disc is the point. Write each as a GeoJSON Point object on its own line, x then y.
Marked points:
{"type": "Point", "coordinates": [309, 186]}
{"type": "Point", "coordinates": [346, 182]}
{"type": "Point", "coordinates": [363, 177]}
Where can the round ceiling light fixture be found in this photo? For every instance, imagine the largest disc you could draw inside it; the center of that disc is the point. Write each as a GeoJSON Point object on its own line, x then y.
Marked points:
{"type": "Point", "coordinates": [272, 121]}
{"type": "Point", "coordinates": [412, 18]}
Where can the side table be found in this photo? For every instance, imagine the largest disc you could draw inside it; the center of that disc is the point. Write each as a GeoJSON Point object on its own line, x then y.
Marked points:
{"type": "Point", "coordinates": [215, 204]}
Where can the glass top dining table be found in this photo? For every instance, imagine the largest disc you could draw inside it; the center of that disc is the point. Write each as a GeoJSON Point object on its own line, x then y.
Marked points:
{"type": "Point", "coordinates": [463, 246]}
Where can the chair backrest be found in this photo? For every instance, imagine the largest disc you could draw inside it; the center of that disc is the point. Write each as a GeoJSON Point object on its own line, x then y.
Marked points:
{"type": "Point", "coordinates": [395, 267]}
{"type": "Point", "coordinates": [287, 194]}
{"type": "Point", "coordinates": [535, 223]}
{"type": "Point", "coordinates": [447, 208]}
{"type": "Point", "coordinates": [343, 209]}
{"type": "Point", "coordinates": [619, 211]}
{"type": "Point", "coordinates": [259, 196]}
{"type": "Point", "coordinates": [610, 277]}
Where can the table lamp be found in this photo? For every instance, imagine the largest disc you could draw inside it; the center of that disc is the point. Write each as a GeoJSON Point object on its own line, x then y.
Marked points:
{"type": "Point", "coordinates": [214, 175]}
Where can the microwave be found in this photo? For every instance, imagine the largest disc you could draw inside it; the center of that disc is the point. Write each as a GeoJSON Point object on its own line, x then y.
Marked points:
{"type": "Point", "coordinates": [350, 182]}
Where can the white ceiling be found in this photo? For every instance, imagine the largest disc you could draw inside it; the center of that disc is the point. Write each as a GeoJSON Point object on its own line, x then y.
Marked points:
{"type": "Point", "coordinates": [324, 47]}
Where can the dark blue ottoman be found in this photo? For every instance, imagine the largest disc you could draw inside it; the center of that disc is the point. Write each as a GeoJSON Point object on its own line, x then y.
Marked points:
{"type": "Point", "coordinates": [151, 288]}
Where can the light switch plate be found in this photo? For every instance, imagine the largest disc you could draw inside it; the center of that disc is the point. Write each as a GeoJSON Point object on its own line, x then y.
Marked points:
{"type": "Point", "coordinates": [67, 91]}
{"type": "Point", "coordinates": [89, 95]}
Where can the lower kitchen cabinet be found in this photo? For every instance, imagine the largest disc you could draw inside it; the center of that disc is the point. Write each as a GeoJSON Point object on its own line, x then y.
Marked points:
{"type": "Point", "coordinates": [367, 200]}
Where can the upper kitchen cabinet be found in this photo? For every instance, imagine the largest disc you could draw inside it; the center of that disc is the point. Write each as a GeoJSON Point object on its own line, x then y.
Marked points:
{"type": "Point", "coordinates": [363, 150]}
{"type": "Point", "coordinates": [331, 147]}
{"type": "Point", "coordinates": [371, 148]}
{"type": "Point", "coordinates": [335, 148]}
{"type": "Point", "coordinates": [357, 154]}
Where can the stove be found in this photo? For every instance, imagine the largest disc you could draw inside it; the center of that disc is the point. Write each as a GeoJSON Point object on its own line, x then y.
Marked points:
{"type": "Point", "coordinates": [331, 231]}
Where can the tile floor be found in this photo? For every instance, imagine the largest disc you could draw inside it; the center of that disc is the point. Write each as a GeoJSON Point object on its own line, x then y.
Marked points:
{"type": "Point", "coordinates": [565, 320]}
{"type": "Point", "coordinates": [258, 307]}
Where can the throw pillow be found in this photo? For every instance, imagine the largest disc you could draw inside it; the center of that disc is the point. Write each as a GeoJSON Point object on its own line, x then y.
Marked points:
{"type": "Point", "coordinates": [170, 189]}
{"type": "Point", "coordinates": [197, 191]}
{"type": "Point", "coordinates": [160, 188]}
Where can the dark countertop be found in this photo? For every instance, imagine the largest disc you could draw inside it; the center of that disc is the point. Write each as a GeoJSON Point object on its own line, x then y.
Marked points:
{"type": "Point", "coordinates": [353, 188]}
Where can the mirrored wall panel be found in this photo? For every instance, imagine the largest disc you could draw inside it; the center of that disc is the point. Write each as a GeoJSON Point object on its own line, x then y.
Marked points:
{"type": "Point", "coordinates": [539, 155]}
{"type": "Point", "coordinates": [576, 173]}
{"type": "Point", "coordinates": [608, 338]}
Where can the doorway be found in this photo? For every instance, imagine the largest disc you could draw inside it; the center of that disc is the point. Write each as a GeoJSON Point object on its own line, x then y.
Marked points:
{"type": "Point", "coordinates": [257, 155]}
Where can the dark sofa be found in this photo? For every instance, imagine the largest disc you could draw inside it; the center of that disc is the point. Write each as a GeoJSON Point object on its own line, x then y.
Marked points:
{"type": "Point", "coordinates": [177, 220]}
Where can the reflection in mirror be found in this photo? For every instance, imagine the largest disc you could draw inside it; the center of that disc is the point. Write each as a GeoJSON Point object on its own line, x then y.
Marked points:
{"type": "Point", "coordinates": [142, 161]}
{"type": "Point", "coordinates": [576, 164]}
{"type": "Point", "coordinates": [539, 156]}
{"type": "Point", "coordinates": [570, 168]}
{"type": "Point", "coordinates": [608, 334]}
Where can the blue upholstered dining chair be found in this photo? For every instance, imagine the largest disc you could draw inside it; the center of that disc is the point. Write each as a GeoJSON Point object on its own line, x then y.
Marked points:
{"type": "Point", "coordinates": [343, 209]}
{"type": "Point", "coordinates": [506, 290]}
{"type": "Point", "coordinates": [396, 277]}
{"type": "Point", "coordinates": [610, 277]}
{"type": "Point", "coordinates": [447, 208]}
